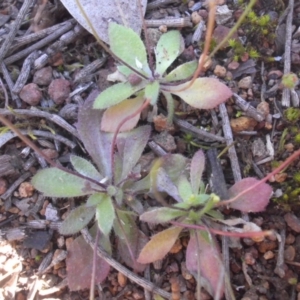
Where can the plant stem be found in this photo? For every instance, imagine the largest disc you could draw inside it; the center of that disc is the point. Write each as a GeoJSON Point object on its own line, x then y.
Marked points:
{"type": "Point", "coordinates": [249, 234]}
{"type": "Point", "coordinates": [92, 288]}
{"type": "Point", "coordinates": [277, 170]}
{"type": "Point", "coordinates": [170, 105]}
{"type": "Point", "coordinates": [114, 140]}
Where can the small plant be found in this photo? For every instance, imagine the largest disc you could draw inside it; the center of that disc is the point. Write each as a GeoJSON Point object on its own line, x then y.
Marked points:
{"type": "Point", "coordinates": [109, 191]}
{"type": "Point", "coordinates": [198, 211]}
{"type": "Point", "coordinates": [146, 84]}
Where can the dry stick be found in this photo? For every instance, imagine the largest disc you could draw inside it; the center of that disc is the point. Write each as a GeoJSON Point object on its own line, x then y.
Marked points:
{"type": "Point", "coordinates": [133, 277]}
{"type": "Point", "coordinates": [10, 84]}
{"type": "Point", "coordinates": [92, 288]}
{"type": "Point", "coordinates": [42, 114]}
{"type": "Point", "coordinates": [277, 170]}
{"type": "Point", "coordinates": [249, 234]}
{"type": "Point", "coordinates": [287, 54]}
{"type": "Point", "coordinates": [24, 73]}
{"type": "Point", "coordinates": [203, 57]}
{"type": "Point", "coordinates": [40, 44]}
{"type": "Point", "coordinates": [280, 269]}
{"type": "Point", "coordinates": [171, 22]}
{"type": "Point", "coordinates": [30, 38]}
{"type": "Point", "coordinates": [237, 177]}
{"type": "Point", "coordinates": [103, 45]}
{"type": "Point", "coordinates": [28, 142]}
{"type": "Point", "coordinates": [114, 140]}
{"type": "Point", "coordinates": [10, 37]}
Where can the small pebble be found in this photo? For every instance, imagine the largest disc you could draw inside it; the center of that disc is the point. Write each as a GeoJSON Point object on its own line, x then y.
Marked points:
{"type": "Point", "coordinates": [196, 18]}
{"type": "Point", "coordinates": [220, 71]}
{"type": "Point", "coordinates": [122, 279]}
{"type": "Point", "coordinates": [269, 255]}
{"type": "Point", "coordinates": [292, 221]}
{"type": "Point", "coordinates": [245, 83]}
{"type": "Point", "coordinates": [290, 239]}
{"type": "Point", "coordinates": [26, 189]}
{"type": "Point", "coordinates": [59, 90]}
{"type": "Point", "coordinates": [43, 76]}
{"type": "Point", "coordinates": [31, 94]}
{"type": "Point", "coordinates": [242, 124]}
{"type": "Point", "coordinates": [290, 253]}
{"type": "Point", "coordinates": [166, 141]}
{"type": "Point", "coordinates": [233, 65]}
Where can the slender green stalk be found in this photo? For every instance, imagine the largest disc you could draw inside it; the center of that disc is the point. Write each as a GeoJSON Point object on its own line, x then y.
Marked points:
{"type": "Point", "coordinates": [170, 104]}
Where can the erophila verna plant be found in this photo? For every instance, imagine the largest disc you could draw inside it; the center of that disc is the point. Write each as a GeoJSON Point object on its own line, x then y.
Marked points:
{"type": "Point", "coordinates": [145, 84]}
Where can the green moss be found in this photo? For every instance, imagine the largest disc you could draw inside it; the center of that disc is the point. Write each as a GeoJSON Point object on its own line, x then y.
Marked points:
{"type": "Point", "coordinates": [292, 114]}
{"type": "Point", "coordinates": [297, 139]}
{"type": "Point", "coordinates": [296, 177]}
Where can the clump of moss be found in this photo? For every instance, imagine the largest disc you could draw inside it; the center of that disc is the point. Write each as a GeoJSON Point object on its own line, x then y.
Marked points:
{"type": "Point", "coordinates": [297, 139]}
{"type": "Point", "coordinates": [292, 114]}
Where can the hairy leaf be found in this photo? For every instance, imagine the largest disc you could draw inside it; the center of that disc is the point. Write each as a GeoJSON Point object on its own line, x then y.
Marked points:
{"type": "Point", "coordinates": [77, 219]}
{"type": "Point", "coordinates": [174, 164]}
{"type": "Point", "coordinates": [197, 167]}
{"type": "Point", "coordinates": [184, 188]}
{"type": "Point", "coordinates": [169, 46]}
{"type": "Point", "coordinates": [53, 182]}
{"type": "Point", "coordinates": [159, 245]}
{"type": "Point", "coordinates": [80, 265]}
{"type": "Point", "coordinates": [84, 167]}
{"type": "Point", "coordinates": [131, 146]}
{"type": "Point", "coordinates": [152, 92]}
{"type": "Point", "coordinates": [255, 200]}
{"type": "Point", "coordinates": [95, 199]}
{"type": "Point", "coordinates": [105, 215]}
{"type": "Point", "coordinates": [127, 45]}
{"type": "Point", "coordinates": [161, 182]}
{"type": "Point", "coordinates": [182, 72]}
{"type": "Point", "coordinates": [101, 11]}
{"type": "Point", "coordinates": [129, 236]}
{"type": "Point", "coordinates": [161, 215]}
{"type": "Point", "coordinates": [211, 267]}
{"type": "Point", "coordinates": [114, 115]}
{"type": "Point", "coordinates": [95, 142]}
{"type": "Point", "coordinates": [116, 94]}
{"type": "Point", "coordinates": [205, 93]}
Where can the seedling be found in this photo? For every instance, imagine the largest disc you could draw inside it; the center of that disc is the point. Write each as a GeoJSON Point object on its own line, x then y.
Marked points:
{"type": "Point", "coordinates": [195, 207]}
{"type": "Point", "coordinates": [107, 199]}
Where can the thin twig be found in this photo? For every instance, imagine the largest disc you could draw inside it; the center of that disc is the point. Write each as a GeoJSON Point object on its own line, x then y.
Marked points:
{"type": "Point", "coordinates": [279, 269]}
{"type": "Point", "coordinates": [41, 114]}
{"type": "Point", "coordinates": [133, 277]}
{"type": "Point", "coordinates": [10, 37]}
{"type": "Point", "coordinates": [287, 53]}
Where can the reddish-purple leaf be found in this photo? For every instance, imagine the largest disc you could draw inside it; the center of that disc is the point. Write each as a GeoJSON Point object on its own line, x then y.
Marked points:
{"type": "Point", "coordinates": [211, 267]}
{"type": "Point", "coordinates": [255, 200]}
{"type": "Point", "coordinates": [205, 93]}
{"type": "Point", "coordinates": [114, 115]}
{"type": "Point", "coordinates": [159, 245]}
{"type": "Point", "coordinates": [97, 143]}
{"type": "Point", "coordinates": [80, 264]}
{"type": "Point", "coordinates": [197, 167]}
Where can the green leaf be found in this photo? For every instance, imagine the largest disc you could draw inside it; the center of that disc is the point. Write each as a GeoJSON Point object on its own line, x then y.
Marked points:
{"type": "Point", "coordinates": [169, 46]}
{"type": "Point", "coordinates": [116, 94]}
{"type": "Point", "coordinates": [159, 245]}
{"type": "Point", "coordinates": [114, 115]}
{"type": "Point", "coordinates": [152, 92]}
{"type": "Point", "coordinates": [85, 168]}
{"type": "Point", "coordinates": [182, 72]}
{"type": "Point", "coordinates": [161, 215]}
{"type": "Point", "coordinates": [77, 219]}
{"type": "Point", "coordinates": [127, 45]}
{"type": "Point", "coordinates": [184, 188]}
{"type": "Point", "coordinates": [205, 93]}
{"type": "Point", "coordinates": [197, 168]}
{"type": "Point", "coordinates": [95, 199]}
{"type": "Point", "coordinates": [105, 215]}
{"type": "Point", "coordinates": [54, 182]}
